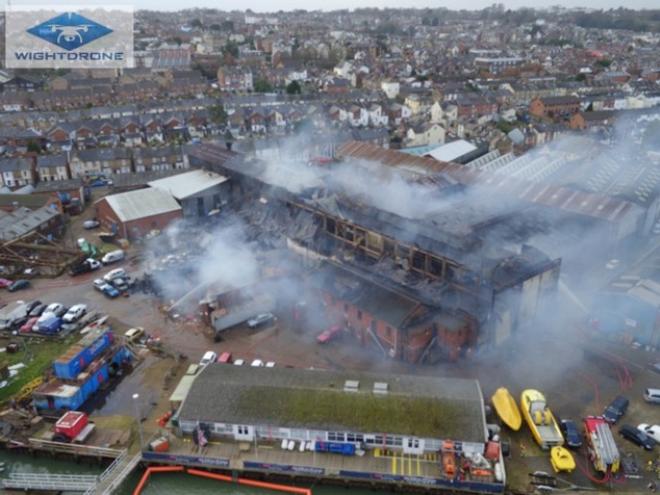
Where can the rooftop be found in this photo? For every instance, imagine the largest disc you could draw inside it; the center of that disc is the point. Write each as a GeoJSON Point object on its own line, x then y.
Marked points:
{"type": "Point", "coordinates": [442, 408]}
{"type": "Point", "coordinates": [189, 183]}
{"type": "Point", "coordinates": [141, 203]}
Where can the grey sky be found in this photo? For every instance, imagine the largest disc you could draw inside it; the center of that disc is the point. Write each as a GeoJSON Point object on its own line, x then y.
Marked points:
{"type": "Point", "coordinates": [271, 5]}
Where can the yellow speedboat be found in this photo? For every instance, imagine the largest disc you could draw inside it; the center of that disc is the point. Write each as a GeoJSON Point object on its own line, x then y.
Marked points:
{"type": "Point", "coordinates": [506, 408]}
{"type": "Point", "coordinates": [561, 459]}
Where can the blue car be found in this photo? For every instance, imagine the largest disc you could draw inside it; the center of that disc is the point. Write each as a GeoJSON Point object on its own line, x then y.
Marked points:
{"type": "Point", "coordinates": [110, 291]}
{"type": "Point", "coordinates": [50, 325]}
{"type": "Point", "coordinates": [571, 433]}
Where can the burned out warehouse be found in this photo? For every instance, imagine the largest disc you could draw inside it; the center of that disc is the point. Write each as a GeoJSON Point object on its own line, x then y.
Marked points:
{"type": "Point", "coordinates": [410, 252]}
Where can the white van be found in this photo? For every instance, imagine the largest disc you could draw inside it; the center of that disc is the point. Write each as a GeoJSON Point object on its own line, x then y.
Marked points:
{"type": "Point", "coordinates": [209, 357]}
{"type": "Point", "coordinates": [134, 334]}
{"type": "Point", "coordinates": [113, 274]}
{"type": "Point", "coordinates": [113, 256]}
{"type": "Point", "coordinates": [652, 395]}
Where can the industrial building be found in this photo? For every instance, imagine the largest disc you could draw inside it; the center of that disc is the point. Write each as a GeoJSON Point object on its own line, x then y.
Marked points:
{"type": "Point", "coordinates": [199, 192]}
{"type": "Point", "coordinates": [413, 414]}
{"type": "Point", "coordinates": [450, 288]}
{"type": "Point", "coordinates": [133, 214]}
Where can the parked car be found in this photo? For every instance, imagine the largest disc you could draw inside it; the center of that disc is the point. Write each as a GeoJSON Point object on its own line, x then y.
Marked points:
{"type": "Point", "coordinates": [19, 285]}
{"type": "Point", "coordinates": [37, 310]}
{"type": "Point", "coordinates": [99, 283]}
{"type": "Point", "coordinates": [75, 312]}
{"type": "Point", "coordinates": [28, 326]}
{"type": "Point", "coordinates": [260, 319]}
{"type": "Point", "coordinates": [209, 357]}
{"type": "Point", "coordinates": [329, 334]}
{"type": "Point", "coordinates": [48, 323]}
{"type": "Point", "coordinates": [58, 309]}
{"type": "Point", "coordinates": [225, 357]}
{"type": "Point", "coordinates": [134, 335]}
{"type": "Point", "coordinates": [113, 257]}
{"type": "Point", "coordinates": [571, 433]}
{"type": "Point", "coordinates": [651, 430]}
{"type": "Point", "coordinates": [616, 409]}
{"type": "Point", "coordinates": [31, 305]}
{"type": "Point", "coordinates": [652, 395]}
{"type": "Point", "coordinates": [113, 274]}
{"type": "Point", "coordinates": [91, 224]}
{"type": "Point", "coordinates": [637, 437]}
{"type": "Point", "coordinates": [120, 283]}
{"type": "Point", "coordinates": [270, 364]}
{"type": "Point", "coordinates": [239, 362]}
{"type": "Point", "coordinates": [88, 265]}
{"type": "Point", "coordinates": [109, 291]}
{"type": "Point", "coordinates": [257, 363]}
{"type": "Point", "coordinates": [5, 282]}
{"type": "Point", "coordinates": [655, 367]}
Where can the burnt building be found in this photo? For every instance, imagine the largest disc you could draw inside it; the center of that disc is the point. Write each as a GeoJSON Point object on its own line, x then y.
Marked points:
{"type": "Point", "coordinates": [409, 282]}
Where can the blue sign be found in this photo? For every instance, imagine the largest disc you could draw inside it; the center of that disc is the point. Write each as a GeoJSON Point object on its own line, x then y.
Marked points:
{"type": "Point", "coordinates": [186, 459]}
{"type": "Point", "coordinates": [284, 468]}
{"type": "Point", "coordinates": [69, 30]}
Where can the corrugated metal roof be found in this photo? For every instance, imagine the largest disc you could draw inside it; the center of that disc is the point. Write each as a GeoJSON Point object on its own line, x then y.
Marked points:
{"type": "Point", "coordinates": [560, 197]}
{"type": "Point", "coordinates": [188, 184]}
{"type": "Point", "coordinates": [141, 203]}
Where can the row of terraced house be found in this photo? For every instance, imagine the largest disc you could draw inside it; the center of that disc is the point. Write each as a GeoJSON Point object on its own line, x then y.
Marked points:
{"type": "Point", "coordinates": [30, 169]}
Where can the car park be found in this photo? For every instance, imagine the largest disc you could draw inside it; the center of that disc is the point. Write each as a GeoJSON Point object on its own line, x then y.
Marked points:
{"type": "Point", "coordinates": [652, 395]}
{"type": "Point", "coordinates": [19, 285]}
{"type": "Point", "coordinates": [616, 409]}
{"type": "Point", "coordinates": [260, 319]}
{"type": "Point", "coordinates": [113, 257]}
{"type": "Point", "coordinates": [571, 433]}
{"type": "Point", "coordinates": [91, 224]}
{"type": "Point", "coordinates": [75, 312]}
{"type": "Point", "coordinates": [209, 357]}
{"type": "Point", "coordinates": [651, 430]}
{"type": "Point", "coordinates": [637, 437]}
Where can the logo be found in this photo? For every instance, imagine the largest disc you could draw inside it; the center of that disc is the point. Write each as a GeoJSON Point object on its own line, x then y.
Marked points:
{"type": "Point", "coordinates": [69, 31]}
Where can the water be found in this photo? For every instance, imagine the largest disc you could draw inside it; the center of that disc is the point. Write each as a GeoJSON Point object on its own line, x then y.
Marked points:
{"type": "Point", "coordinates": [160, 484]}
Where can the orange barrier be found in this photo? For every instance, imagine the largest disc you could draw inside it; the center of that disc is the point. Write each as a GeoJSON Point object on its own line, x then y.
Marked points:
{"type": "Point", "coordinates": [275, 486]}
{"type": "Point", "coordinates": [158, 469]}
{"type": "Point", "coordinates": [206, 474]}
{"type": "Point", "coordinates": [218, 477]}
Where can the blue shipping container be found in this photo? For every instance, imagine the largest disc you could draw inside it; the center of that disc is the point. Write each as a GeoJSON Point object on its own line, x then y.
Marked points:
{"type": "Point", "coordinates": [78, 357]}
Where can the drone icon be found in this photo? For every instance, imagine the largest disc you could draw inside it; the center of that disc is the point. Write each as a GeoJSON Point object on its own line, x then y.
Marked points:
{"type": "Point", "coordinates": [69, 33]}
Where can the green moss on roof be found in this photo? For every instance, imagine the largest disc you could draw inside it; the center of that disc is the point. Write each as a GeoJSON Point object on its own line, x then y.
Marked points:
{"type": "Point", "coordinates": [359, 412]}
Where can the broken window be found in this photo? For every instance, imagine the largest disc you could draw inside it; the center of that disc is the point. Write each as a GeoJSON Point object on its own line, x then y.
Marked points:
{"type": "Point", "coordinates": [419, 260]}
{"type": "Point", "coordinates": [435, 266]}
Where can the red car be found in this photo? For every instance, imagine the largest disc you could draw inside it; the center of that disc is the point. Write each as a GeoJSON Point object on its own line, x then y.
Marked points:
{"type": "Point", "coordinates": [329, 334]}
{"type": "Point", "coordinates": [4, 283]}
{"type": "Point", "coordinates": [225, 357]}
{"type": "Point", "coordinates": [28, 325]}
